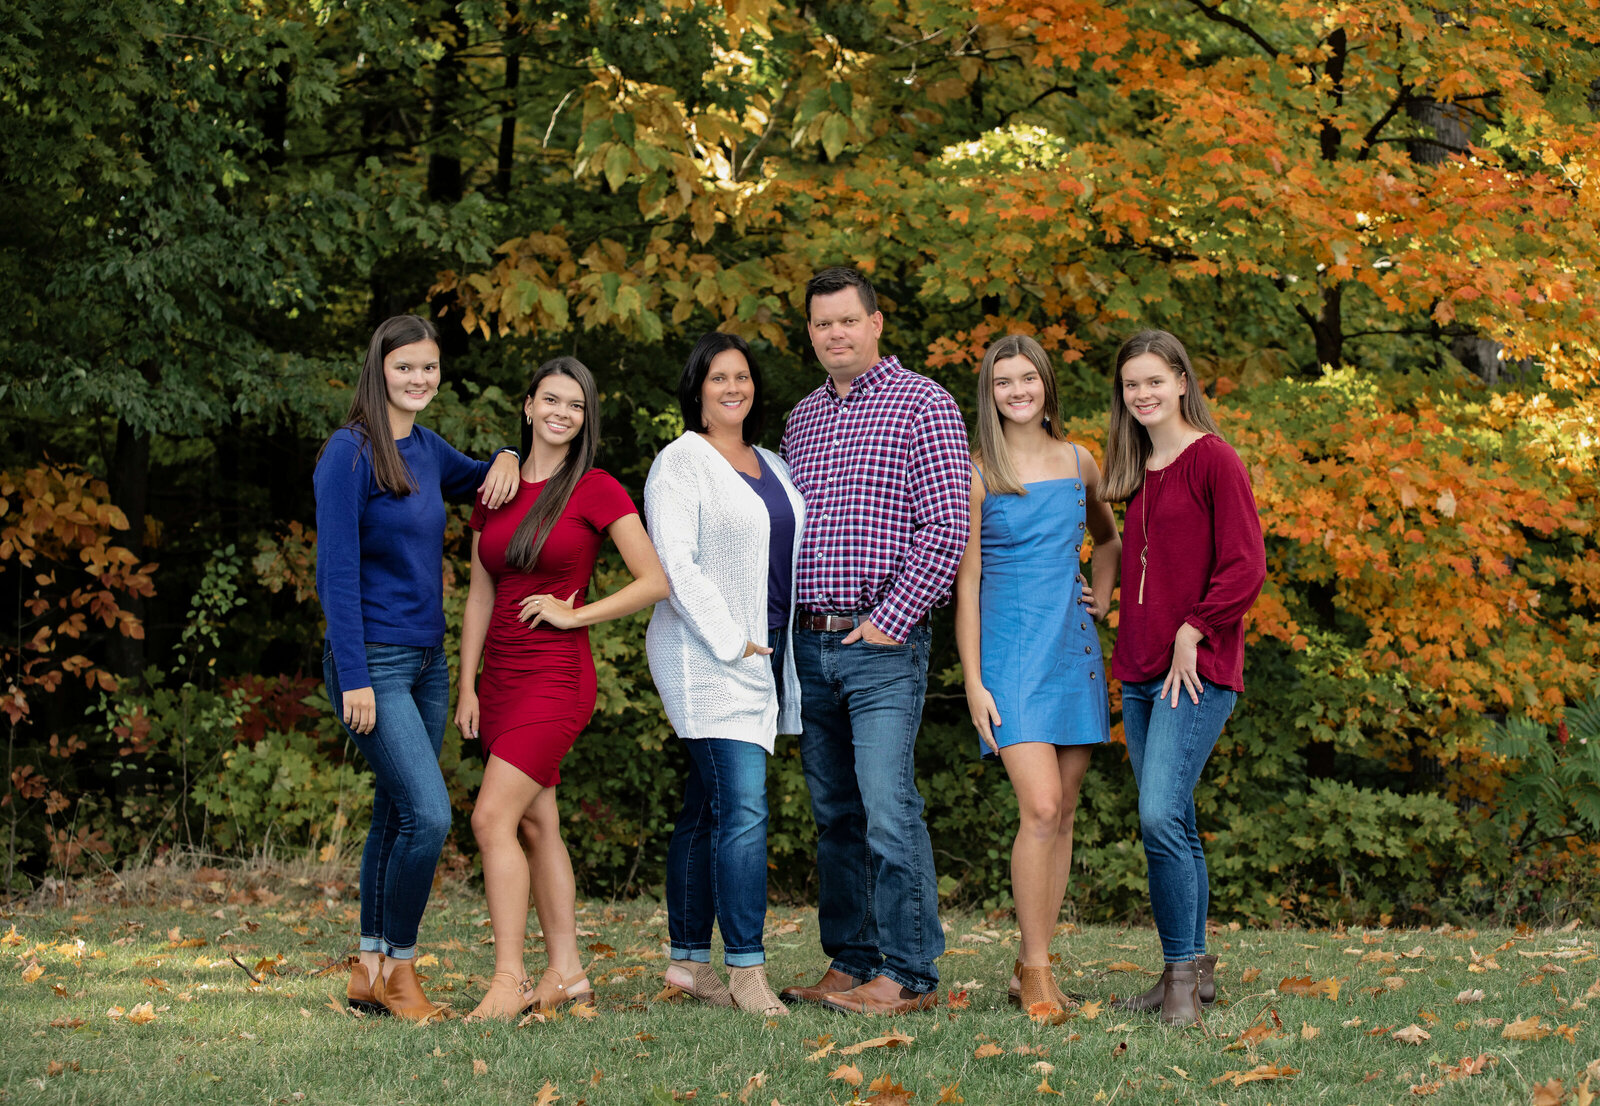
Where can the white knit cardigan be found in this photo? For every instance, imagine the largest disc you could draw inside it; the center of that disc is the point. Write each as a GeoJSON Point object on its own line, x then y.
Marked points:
{"type": "Point", "coordinates": [712, 532]}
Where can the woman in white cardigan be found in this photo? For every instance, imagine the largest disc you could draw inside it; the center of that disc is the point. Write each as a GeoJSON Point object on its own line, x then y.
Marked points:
{"type": "Point", "coordinates": [726, 522]}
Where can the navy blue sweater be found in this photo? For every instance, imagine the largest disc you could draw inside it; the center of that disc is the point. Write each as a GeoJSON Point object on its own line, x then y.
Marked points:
{"type": "Point", "coordinates": [380, 557]}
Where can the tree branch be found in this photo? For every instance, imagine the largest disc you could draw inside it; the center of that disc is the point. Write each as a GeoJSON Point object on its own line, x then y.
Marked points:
{"type": "Point", "coordinates": [1217, 15]}
{"type": "Point", "coordinates": [1370, 139]}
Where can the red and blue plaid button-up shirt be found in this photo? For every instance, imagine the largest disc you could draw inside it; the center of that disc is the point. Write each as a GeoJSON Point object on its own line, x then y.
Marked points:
{"type": "Point", "coordinates": [887, 485]}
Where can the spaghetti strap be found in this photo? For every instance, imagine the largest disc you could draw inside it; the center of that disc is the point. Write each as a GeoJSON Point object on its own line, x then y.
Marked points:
{"type": "Point", "coordinates": [1076, 462]}
{"type": "Point", "coordinates": [984, 482]}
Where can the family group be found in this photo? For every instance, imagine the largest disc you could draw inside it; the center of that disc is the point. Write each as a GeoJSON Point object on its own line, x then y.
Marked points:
{"type": "Point", "coordinates": [791, 592]}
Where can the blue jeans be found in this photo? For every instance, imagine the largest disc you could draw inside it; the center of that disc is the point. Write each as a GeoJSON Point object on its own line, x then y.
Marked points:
{"type": "Point", "coordinates": [717, 859]}
{"type": "Point", "coordinates": [878, 902]}
{"type": "Point", "coordinates": [1169, 747]}
{"type": "Point", "coordinates": [410, 806]}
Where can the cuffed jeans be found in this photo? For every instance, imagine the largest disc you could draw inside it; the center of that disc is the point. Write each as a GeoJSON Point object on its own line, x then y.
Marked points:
{"type": "Point", "coordinates": [410, 806]}
{"type": "Point", "coordinates": [717, 859]}
{"type": "Point", "coordinates": [1169, 747]}
{"type": "Point", "coordinates": [860, 708]}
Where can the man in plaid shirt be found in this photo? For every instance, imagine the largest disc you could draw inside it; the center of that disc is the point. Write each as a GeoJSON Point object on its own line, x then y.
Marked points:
{"type": "Point", "coordinates": [880, 455]}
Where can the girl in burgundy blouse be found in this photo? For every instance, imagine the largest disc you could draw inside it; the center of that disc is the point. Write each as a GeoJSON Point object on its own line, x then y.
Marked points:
{"type": "Point", "coordinates": [1192, 564]}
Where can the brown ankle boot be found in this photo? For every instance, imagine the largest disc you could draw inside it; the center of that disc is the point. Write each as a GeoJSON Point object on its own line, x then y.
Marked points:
{"type": "Point", "coordinates": [358, 992]}
{"type": "Point", "coordinates": [1207, 981]}
{"type": "Point", "coordinates": [1180, 1001]}
{"type": "Point", "coordinates": [1143, 1004]}
{"type": "Point", "coordinates": [402, 994]}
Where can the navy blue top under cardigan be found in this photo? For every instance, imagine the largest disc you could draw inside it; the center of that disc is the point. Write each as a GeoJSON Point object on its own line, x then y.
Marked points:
{"type": "Point", "coordinates": [780, 572]}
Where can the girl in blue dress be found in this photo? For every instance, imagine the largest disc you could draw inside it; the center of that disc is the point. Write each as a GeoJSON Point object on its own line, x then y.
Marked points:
{"type": "Point", "coordinates": [1025, 629]}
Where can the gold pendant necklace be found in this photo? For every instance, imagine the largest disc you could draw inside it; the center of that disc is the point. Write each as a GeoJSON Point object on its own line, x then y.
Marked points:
{"type": "Point", "coordinates": [1144, 512]}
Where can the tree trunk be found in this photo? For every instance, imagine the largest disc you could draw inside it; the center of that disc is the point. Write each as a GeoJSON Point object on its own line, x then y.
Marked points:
{"type": "Point", "coordinates": [444, 164]}
{"type": "Point", "coordinates": [508, 126]}
{"type": "Point", "coordinates": [129, 481]}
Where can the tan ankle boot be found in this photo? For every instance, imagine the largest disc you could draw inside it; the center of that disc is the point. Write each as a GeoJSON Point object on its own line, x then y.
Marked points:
{"type": "Point", "coordinates": [751, 992]}
{"type": "Point", "coordinates": [358, 992]}
{"type": "Point", "coordinates": [402, 994]}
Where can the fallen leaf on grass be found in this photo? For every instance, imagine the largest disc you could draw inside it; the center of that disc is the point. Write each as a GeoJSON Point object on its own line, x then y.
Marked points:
{"type": "Point", "coordinates": [1305, 985]}
{"type": "Point", "coordinates": [1526, 1029]}
{"type": "Point", "coordinates": [1123, 966]}
{"type": "Point", "coordinates": [480, 1067]}
{"type": "Point", "coordinates": [1394, 982]}
{"type": "Point", "coordinates": [584, 1010]}
{"type": "Point", "coordinates": [1043, 1067]}
{"type": "Point", "coordinates": [1308, 1031]}
{"type": "Point", "coordinates": [142, 1014]}
{"type": "Point", "coordinates": [894, 1039]}
{"type": "Point", "coordinates": [1250, 975]}
{"type": "Point", "coordinates": [1047, 1013]}
{"type": "Point", "coordinates": [1593, 991]}
{"type": "Point", "coordinates": [987, 1050]}
{"type": "Point", "coordinates": [1411, 1035]}
{"type": "Point", "coordinates": [1259, 1073]}
{"type": "Point", "coordinates": [950, 1094]}
{"type": "Point", "coordinates": [1253, 1036]}
{"type": "Point", "coordinates": [32, 972]}
{"type": "Point", "coordinates": [957, 1000]}
{"type": "Point", "coordinates": [669, 993]}
{"type": "Point", "coordinates": [1469, 996]}
{"type": "Point", "coordinates": [547, 1094]}
{"type": "Point", "coordinates": [68, 1023]}
{"type": "Point", "coordinates": [847, 1073]}
{"type": "Point", "coordinates": [824, 1045]}
{"type": "Point", "coordinates": [759, 1079]}
{"type": "Point", "coordinates": [1425, 1088]}
{"type": "Point", "coordinates": [1122, 1047]}
{"type": "Point", "coordinates": [336, 1006]}
{"type": "Point", "coordinates": [888, 1093]}
{"type": "Point", "coordinates": [12, 937]}
{"type": "Point", "coordinates": [1044, 1087]}
{"type": "Point", "coordinates": [1553, 1093]}
{"type": "Point", "coordinates": [1089, 1011]}
{"type": "Point", "coordinates": [114, 1013]}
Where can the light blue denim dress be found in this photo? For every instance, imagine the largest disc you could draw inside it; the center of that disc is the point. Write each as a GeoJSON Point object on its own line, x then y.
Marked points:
{"type": "Point", "coordinates": [1041, 653]}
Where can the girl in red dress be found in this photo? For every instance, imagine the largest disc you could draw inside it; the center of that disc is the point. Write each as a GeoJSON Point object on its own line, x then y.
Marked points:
{"type": "Point", "coordinates": [527, 622]}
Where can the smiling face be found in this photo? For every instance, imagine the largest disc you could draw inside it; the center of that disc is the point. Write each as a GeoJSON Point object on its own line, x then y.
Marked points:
{"type": "Point", "coordinates": [728, 393]}
{"type": "Point", "coordinates": [557, 410]}
{"type": "Point", "coordinates": [844, 334]}
{"type": "Point", "coordinates": [1152, 390]}
{"type": "Point", "coordinates": [411, 378]}
{"type": "Point", "coordinates": [1019, 390]}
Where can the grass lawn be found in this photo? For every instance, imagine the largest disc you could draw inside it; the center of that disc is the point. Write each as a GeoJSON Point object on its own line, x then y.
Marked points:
{"type": "Point", "coordinates": [122, 1004]}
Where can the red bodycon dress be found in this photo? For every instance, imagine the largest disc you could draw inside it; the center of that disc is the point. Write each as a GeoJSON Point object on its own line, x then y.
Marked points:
{"type": "Point", "coordinates": [537, 689]}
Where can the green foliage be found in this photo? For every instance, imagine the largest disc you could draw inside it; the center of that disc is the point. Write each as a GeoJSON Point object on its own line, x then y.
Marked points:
{"type": "Point", "coordinates": [1551, 785]}
{"type": "Point", "coordinates": [283, 791]}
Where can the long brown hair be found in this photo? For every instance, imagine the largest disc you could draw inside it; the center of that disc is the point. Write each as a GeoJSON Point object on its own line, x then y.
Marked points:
{"type": "Point", "coordinates": [991, 454]}
{"type": "Point", "coordinates": [528, 540]}
{"type": "Point", "coordinates": [369, 407]}
{"type": "Point", "coordinates": [1128, 444]}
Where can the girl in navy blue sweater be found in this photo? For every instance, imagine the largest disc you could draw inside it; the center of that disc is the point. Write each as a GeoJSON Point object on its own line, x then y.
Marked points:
{"type": "Point", "coordinates": [380, 483]}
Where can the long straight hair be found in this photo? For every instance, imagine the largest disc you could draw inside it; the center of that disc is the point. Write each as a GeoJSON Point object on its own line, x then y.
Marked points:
{"type": "Point", "coordinates": [528, 540]}
{"type": "Point", "coordinates": [369, 407]}
{"type": "Point", "coordinates": [1128, 443]}
{"type": "Point", "coordinates": [992, 455]}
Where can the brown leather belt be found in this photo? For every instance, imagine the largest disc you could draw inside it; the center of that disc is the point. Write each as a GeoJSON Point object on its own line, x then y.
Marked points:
{"type": "Point", "coordinates": [836, 623]}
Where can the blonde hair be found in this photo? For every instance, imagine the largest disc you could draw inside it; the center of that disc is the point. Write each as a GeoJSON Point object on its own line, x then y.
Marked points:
{"type": "Point", "coordinates": [991, 454]}
{"type": "Point", "coordinates": [1128, 443]}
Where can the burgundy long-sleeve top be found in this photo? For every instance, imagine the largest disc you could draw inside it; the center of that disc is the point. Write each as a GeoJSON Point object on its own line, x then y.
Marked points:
{"type": "Point", "coordinates": [1205, 565]}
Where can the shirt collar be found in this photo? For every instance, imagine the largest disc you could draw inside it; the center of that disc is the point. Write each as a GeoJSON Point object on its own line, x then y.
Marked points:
{"type": "Point", "coordinates": [869, 380]}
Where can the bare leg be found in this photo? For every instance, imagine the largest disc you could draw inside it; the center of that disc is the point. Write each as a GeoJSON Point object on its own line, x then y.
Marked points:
{"type": "Point", "coordinates": [505, 797]}
{"type": "Point", "coordinates": [1034, 776]}
{"type": "Point", "coordinates": [1072, 761]}
{"type": "Point", "coordinates": [554, 892]}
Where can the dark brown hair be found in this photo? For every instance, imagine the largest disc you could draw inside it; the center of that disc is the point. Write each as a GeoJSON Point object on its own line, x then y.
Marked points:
{"type": "Point", "coordinates": [693, 380]}
{"type": "Point", "coordinates": [369, 407]}
{"type": "Point", "coordinates": [1128, 443]}
{"type": "Point", "coordinates": [528, 540]}
{"type": "Point", "coordinates": [837, 279]}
